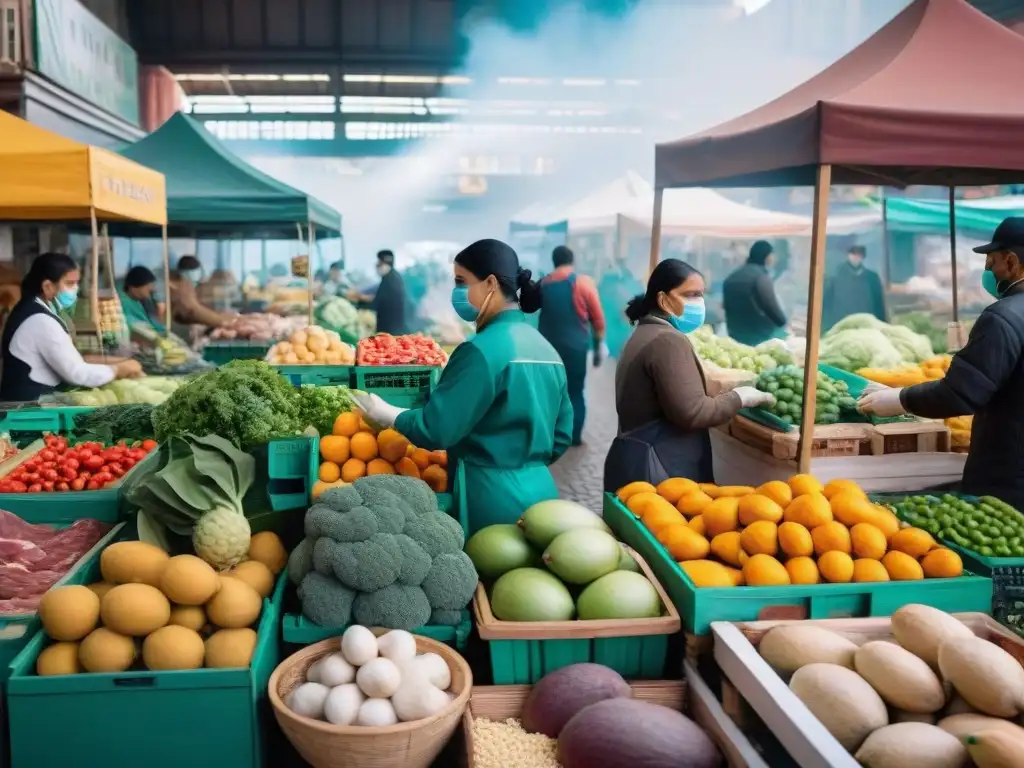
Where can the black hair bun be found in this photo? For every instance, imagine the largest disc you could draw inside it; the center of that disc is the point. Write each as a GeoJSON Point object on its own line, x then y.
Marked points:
{"type": "Point", "coordinates": [523, 278]}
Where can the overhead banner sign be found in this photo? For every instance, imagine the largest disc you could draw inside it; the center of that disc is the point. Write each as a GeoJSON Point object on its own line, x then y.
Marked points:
{"type": "Point", "coordinates": [79, 52]}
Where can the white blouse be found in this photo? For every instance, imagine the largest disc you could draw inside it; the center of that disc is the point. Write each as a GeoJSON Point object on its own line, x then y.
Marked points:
{"type": "Point", "coordinates": [42, 344]}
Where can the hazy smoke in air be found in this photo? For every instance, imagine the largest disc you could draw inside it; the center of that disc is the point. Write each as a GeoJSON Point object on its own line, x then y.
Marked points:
{"type": "Point", "coordinates": [671, 67]}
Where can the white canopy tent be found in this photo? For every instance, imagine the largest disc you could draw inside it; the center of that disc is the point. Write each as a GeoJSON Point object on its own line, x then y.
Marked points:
{"type": "Point", "coordinates": [687, 211]}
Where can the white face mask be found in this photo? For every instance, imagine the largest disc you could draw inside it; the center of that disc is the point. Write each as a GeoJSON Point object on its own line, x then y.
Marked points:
{"type": "Point", "coordinates": [192, 275]}
{"type": "Point", "coordinates": [383, 269]}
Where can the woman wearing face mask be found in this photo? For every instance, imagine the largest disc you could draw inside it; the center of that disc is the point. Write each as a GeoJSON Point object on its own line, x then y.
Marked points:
{"type": "Point", "coordinates": [185, 306]}
{"type": "Point", "coordinates": [501, 406]}
{"type": "Point", "coordinates": [39, 355]}
{"type": "Point", "coordinates": [985, 378]}
{"type": "Point", "coordinates": [660, 396]}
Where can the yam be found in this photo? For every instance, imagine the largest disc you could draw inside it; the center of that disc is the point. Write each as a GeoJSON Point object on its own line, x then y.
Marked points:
{"type": "Point", "coordinates": [902, 679]}
{"type": "Point", "coordinates": [988, 678]}
{"type": "Point", "coordinates": [921, 629]}
{"type": "Point", "coordinates": [788, 647]}
{"type": "Point", "coordinates": [842, 700]}
{"type": "Point", "coordinates": [911, 744]}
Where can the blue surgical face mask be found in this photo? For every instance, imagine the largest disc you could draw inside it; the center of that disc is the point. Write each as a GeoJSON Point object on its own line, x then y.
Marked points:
{"type": "Point", "coordinates": [990, 283]}
{"type": "Point", "coordinates": [460, 302]}
{"type": "Point", "coordinates": [66, 299]}
{"type": "Point", "coordinates": [692, 317]}
{"type": "Point", "coordinates": [192, 275]}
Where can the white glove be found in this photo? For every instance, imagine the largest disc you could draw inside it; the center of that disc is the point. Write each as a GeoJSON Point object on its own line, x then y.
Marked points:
{"type": "Point", "coordinates": [752, 398]}
{"type": "Point", "coordinates": [873, 386]}
{"type": "Point", "coordinates": [380, 413]}
{"type": "Point", "coordinates": [885, 403]}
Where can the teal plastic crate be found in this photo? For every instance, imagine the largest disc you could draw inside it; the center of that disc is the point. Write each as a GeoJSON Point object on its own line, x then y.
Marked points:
{"type": "Point", "coordinates": [296, 629]}
{"type": "Point", "coordinates": [54, 419]}
{"type": "Point", "coordinates": [292, 465]}
{"type": "Point", "coordinates": [701, 606]}
{"type": "Point", "coordinates": [220, 352]}
{"type": "Point", "coordinates": [404, 386]}
{"type": "Point", "coordinates": [524, 652]}
{"type": "Point", "coordinates": [204, 718]}
{"type": "Point", "coordinates": [103, 504]}
{"type": "Point", "coordinates": [318, 375]}
{"type": "Point", "coordinates": [973, 562]}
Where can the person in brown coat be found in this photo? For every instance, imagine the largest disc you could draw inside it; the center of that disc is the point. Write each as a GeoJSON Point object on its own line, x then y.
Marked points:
{"type": "Point", "coordinates": [185, 306]}
{"type": "Point", "coordinates": [660, 395]}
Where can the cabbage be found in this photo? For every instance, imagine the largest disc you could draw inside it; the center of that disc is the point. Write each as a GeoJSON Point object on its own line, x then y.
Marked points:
{"type": "Point", "coordinates": [857, 348]}
{"type": "Point", "coordinates": [913, 347]}
{"type": "Point", "coordinates": [861, 320]}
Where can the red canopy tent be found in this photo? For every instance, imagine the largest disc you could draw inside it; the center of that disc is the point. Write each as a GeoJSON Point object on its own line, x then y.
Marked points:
{"type": "Point", "coordinates": [934, 97]}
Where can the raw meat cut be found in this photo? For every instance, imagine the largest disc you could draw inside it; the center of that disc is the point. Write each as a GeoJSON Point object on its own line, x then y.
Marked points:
{"type": "Point", "coordinates": [35, 557]}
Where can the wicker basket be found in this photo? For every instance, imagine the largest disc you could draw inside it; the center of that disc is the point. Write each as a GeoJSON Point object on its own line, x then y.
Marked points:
{"type": "Point", "coordinates": [405, 745]}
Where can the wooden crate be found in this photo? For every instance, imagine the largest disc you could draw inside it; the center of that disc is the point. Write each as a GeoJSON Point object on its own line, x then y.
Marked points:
{"type": "Point", "coordinates": [830, 440]}
{"type": "Point", "coordinates": [491, 628]}
{"type": "Point", "coordinates": [910, 437]}
{"type": "Point", "coordinates": [752, 680]}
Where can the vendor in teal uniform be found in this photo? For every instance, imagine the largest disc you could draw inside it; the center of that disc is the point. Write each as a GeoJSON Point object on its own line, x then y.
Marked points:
{"type": "Point", "coordinates": [502, 405]}
{"type": "Point", "coordinates": [137, 299]}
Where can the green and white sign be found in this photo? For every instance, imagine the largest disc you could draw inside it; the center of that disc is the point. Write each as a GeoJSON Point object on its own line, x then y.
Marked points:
{"type": "Point", "coordinates": [81, 53]}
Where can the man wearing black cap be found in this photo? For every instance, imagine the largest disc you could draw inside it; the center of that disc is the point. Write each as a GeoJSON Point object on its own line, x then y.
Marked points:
{"type": "Point", "coordinates": [389, 300]}
{"type": "Point", "coordinates": [851, 290]}
{"type": "Point", "coordinates": [752, 311]}
{"type": "Point", "coordinates": [986, 377]}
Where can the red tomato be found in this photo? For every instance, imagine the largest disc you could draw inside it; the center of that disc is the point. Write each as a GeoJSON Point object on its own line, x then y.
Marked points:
{"type": "Point", "coordinates": [78, 483]}
{"type": "Point", "coordinates": [115, 469]}
{"type": "Point", "coordinates": [35, 488]}
{"type": "Point", "coordinates": [70, 463]}
{"type": "Point", "coordinates": [47, 455]}
{"type": "Point", "coordinates": [5, 486]}
{"type": "Point", "coordinates": [84, 454]}
{"type": "Point", "coordinates": [69, 473]}
{"type": "Point", "coordinates": [102, 478]}
{"type": "Point", "coordinates": [62, 486]}
{"type": "Point", "coordinates": [61, 444]}
{"type": "Point", "coordinates": [49, 475]}
{"type": "Point", "coordinates": [135, 454]}
{"type": "Point", "coordinates": [48, 485]}
{"type": "Point", "coordinates": [148, 445]}
{"type": "Point", "coordinates": [92, 485]}
{"type": "Point", "coordinates": [94, 462]}
{"type": "Point", "coordinates": [18, 487]}
{"type": "Point", "coordinates": [128, 462]}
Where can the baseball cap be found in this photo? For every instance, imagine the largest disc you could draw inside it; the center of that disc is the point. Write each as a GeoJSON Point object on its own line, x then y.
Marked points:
{"type": "Point", "coordinates": [1009, 235]}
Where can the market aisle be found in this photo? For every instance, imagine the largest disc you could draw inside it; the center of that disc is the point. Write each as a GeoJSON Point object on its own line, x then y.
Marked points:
{"type": "Point", "coordinates": [580, 472]}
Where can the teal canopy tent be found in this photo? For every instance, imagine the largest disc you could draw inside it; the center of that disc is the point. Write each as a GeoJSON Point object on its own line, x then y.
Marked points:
{"type": "Point", "coordinates": [211, 191]}
{"type": "Point", "coordinates": [978, 217]}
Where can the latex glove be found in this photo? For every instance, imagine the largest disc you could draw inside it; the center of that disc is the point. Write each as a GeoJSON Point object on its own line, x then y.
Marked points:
{"type": "Point", "coordinates": [885, 403]}
{"type": "Point", "coordinates": [600, 354]}
{"type": "Point", "coordinates": [873, 386]}
{"type": "Point", "coordinates": [379, 412]}
{"type": "Point", "coordinates": [752, 398]}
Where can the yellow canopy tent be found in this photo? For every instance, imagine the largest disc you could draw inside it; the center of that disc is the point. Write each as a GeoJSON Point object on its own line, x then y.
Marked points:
{"type": "Point", "coordinates": [46, 177]}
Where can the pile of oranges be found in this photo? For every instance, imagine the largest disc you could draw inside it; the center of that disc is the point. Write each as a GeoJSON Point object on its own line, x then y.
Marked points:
{"type": "Point", "coordinates": [793, 532]}
{"type": "Point", "coordinates": [354, 450]}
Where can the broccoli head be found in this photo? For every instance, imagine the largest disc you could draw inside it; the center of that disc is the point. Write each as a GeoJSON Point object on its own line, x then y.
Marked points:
{"type": "Point", "coordinates": [397, 607]}
{"type": "Point", "coordinates": [357, 524]}
{"type": "Point", "coordinates": [454, 526]}
{"type": "Point", "coordinates": [414, 493]}
{"type": "Point", "coordinates": [451, 581]}
{"type": "Point", "coordinates": [340, 499]}
{"type": "Point", "coordinates": [434, 535]}
{"type": "Point", "coordinates": [325, 601]}
{"type": "Point", "coordinates": [300, 561]}
{"type": "Point", "coordinates": [415, 561]}
{"type": "Point", "coordinates": [365, 566]}
{"type": "Point", "coordinates": [442, 617]}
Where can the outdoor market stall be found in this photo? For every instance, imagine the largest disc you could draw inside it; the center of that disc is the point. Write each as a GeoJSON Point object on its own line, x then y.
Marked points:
{"type": "Point", "coordinates": [46, 177]}
{"type": "Point", "coordinates": [213, 193]}
{"type": "Point", "coordinates": [869, 118]}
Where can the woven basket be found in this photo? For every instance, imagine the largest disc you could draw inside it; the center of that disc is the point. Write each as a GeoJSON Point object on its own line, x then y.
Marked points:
{"type": "Point", "coordinates": [405, 745]}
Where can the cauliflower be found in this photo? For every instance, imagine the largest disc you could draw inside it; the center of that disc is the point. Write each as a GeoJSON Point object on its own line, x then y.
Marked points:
{"type": "Point", "coordinates": [384, 541]}
{"type": "Point", "coordinates": [856, 348]}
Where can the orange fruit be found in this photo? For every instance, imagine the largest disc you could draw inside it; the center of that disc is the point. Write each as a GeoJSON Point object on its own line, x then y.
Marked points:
{"type": "Point", "coordinates": [363, 446]}
{"type": "Point", "coordinates": [835, 487]}
{"type": "Point", "coordinates": [379, 467]}
{"type": "Point", "coordinates": [335, 448]}
{"type": "Point", "coordinates": [347, 424]}
{"type": "Point", "coordinates": [352, 470]}
{"type": "Point", "coordinates": [329, 472]}
{"type": "Point", "coordinates": [777, 491]}
{"type": "Point", "coordinates": [801, 484]}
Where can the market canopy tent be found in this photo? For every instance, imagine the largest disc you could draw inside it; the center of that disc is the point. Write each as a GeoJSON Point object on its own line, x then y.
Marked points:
{"type": "Point", "coordinates": [211, 189]}
{"type": "Point", "coordinates": [689, 211]}
{"type": "Point", "coordinates": [979, 217]}
{"type": "Point", "coordinates": [934, 97]}
{"type": "Point", "coordinates": [45, 177]}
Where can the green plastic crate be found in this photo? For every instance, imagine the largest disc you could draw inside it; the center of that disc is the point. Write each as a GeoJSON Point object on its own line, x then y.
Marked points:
{"type": "Point", "coordinates": [103, 504]}
{"type": "Point", "coordinates": [317, 375]}
{"type": "Point", "coordinates": [701, 606]}
{"type": "Point", "coordinates": [292, 465]}
{"type": "Point", "coordinates": [54, 419]}
{"type": "Point", "coordinates": [404, 386]}
{"type": "Point", "coordinates": [296, 629]}
{"type": "Point", "coordinates": [973, 562]}
{"type": "Point", "coordinates": [204, 718]}
{"type": "Point", "coordinates": [220, 352]}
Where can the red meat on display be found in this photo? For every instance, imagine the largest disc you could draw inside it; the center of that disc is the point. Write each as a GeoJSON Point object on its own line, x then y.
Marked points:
{"type": "Point", "coordinates": [35, 557]}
